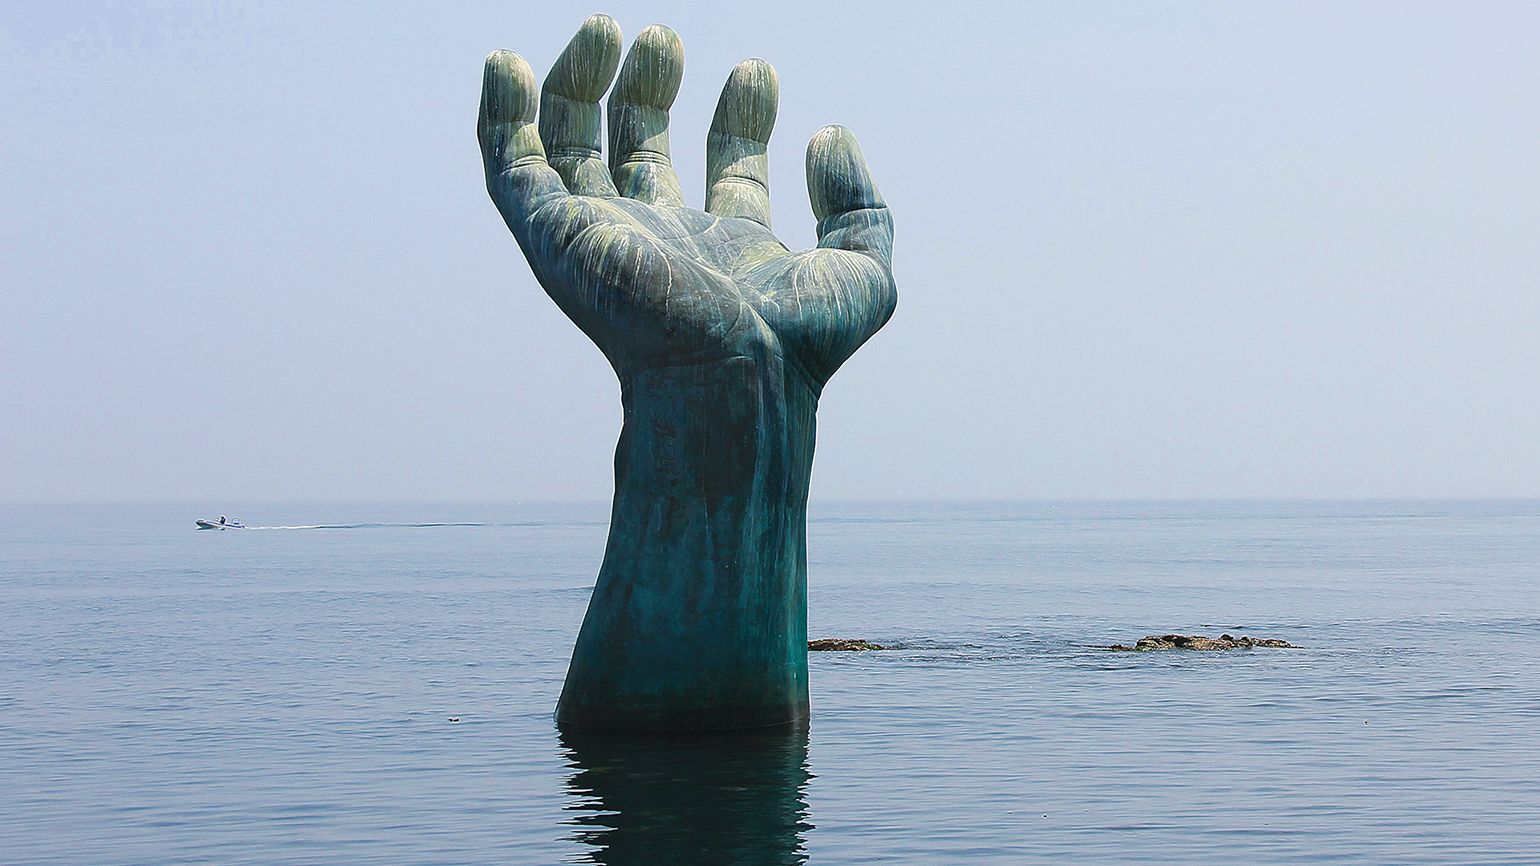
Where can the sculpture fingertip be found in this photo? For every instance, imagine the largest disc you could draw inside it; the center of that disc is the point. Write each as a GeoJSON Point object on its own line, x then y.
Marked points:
{"type": "Point", "coordinates": [837, 177]}
{"type": "Point", "coordinates": [757, 66]}
{"type": "Point", "coordinates": [653, 70]}
{"type": "Point", "coordinates": [749, 102]}
{"type": "Point", "coordinates": [661, 35]}
{"type": "Point", "coordinates": [827, 137]}
{"type": "Point", "coordinates": [508, 87]}
{"type": "Point", "coordinates": [585, 68]}
{"type": "Point", "coordinates": [602, 35]}
{"type": "Point", "coordinates": [601, 23]}
{"type": "Point", "coordinates": [503, 60]}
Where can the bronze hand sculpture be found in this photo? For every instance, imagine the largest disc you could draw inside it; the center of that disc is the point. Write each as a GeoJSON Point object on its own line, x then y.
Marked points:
{"type": "Point", "coordinates": [722, 340]}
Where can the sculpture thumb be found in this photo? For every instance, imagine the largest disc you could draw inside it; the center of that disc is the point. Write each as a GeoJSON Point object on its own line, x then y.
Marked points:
{"type": "Point", "coordinates": [850, 211]}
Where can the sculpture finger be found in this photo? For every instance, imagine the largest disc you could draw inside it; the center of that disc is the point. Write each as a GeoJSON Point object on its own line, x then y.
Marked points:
{"type": "Point", "coordinates": [638, 115]}
{"type": "Point", "coordinates": [851, 214]}
{"type": "Point", "coordinates": [569, 106]}
{"type": "Point", "coordinates": [518, 177]}
{"type": "Point", "coordinates": [737, 167]}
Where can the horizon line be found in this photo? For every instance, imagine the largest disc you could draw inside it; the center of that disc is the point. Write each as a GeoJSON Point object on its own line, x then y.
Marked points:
{"type": "Point", "coordinates": [811, 501]}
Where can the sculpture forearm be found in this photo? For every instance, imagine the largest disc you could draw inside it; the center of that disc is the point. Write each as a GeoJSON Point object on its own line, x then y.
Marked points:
{"type": "Point", "coordinates": [699, 616]}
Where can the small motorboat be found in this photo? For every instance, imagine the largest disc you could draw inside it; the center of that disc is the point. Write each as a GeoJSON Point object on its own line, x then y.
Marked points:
{"type": "Point", "coordinates": [221, 523]}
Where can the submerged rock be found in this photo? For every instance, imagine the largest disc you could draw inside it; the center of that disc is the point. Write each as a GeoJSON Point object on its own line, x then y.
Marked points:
{"type": "Point", "coordinates": [837, 644]}
{"type": "Point", "coordinates": [1200, 642]}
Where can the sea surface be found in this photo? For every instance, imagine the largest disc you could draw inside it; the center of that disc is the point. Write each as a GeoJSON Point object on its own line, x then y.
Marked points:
{"type": "Point", "coordinates": [373, 684]}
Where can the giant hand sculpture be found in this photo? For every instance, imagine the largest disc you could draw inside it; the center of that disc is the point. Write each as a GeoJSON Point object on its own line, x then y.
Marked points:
{"type": "Point", "coordinates": [722, 340]}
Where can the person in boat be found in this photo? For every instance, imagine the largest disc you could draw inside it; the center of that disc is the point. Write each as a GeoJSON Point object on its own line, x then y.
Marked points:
{"type": "Point", "coordinates": [221, 520]}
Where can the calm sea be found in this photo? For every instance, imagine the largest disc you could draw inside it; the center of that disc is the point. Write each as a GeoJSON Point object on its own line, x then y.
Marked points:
{"type": "Point", "coordinates": [380, 690]}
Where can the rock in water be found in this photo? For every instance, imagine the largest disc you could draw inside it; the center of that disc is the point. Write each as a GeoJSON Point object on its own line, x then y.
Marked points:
{"type": "Point", "coordinates": [836, 644]}
{"type": "Point", "coordinates": [1199, 642]}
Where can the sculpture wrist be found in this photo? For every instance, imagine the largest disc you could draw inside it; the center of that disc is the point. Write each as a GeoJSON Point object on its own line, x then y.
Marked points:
{"type": "Point", "coordinates": [698, 618]}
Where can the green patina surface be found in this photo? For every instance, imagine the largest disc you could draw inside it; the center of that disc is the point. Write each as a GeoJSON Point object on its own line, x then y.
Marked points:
{"type": "Point", "coordinates": [722, 340]}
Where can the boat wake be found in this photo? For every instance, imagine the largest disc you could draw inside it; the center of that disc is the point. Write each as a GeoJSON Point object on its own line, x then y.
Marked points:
{"type": "Point", "coordinates": [367, 526]}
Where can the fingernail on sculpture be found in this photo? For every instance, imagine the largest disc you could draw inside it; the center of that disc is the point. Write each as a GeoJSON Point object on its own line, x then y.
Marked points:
{"type": "Point", "coordinates": [722, 340]}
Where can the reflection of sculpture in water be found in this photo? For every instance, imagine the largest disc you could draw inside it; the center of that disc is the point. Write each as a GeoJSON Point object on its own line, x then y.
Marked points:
{"type": "Point", "coordinates": [664, 801]}
{"type": "Point", "coordinates": [722, 340]}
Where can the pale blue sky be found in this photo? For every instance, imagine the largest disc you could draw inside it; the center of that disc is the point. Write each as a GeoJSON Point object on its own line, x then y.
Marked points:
{"type": "Point", "coordinates": [1144, 250]}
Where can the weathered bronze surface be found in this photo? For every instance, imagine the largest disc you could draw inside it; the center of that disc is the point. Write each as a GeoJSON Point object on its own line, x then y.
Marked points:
{"type": "Point", "coordinates": [722, 340]}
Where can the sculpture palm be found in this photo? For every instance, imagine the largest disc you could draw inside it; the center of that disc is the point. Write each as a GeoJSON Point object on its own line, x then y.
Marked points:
{"type": "Point", "coordinates": [722, 340]}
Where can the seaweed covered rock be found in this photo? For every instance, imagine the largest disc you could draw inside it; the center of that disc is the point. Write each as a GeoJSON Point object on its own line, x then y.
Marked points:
{"type": "Point", "coordinates": [836, 644]}
{"type": "Point", "coordinates": [1200, 642]}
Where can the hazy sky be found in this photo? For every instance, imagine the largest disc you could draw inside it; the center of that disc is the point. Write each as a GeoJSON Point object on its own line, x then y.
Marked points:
{"type": "Point", "coordinates": [1143, 249]}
